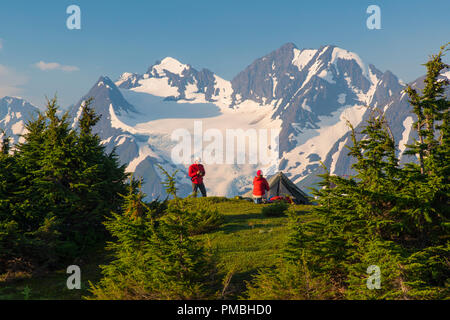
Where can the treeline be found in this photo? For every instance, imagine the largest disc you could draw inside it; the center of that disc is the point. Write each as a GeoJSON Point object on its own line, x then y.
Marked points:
{"type": "Point", "coordinates": [56, 188]}
{"type": "Point", "coordinates": [387, 219]}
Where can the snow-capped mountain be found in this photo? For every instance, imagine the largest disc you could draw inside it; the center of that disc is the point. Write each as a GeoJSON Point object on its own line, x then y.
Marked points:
{"type": "Point", "coordinates": [307, 85]}
{"type": "Point", "coordinates": [14, 113]}
{"type": "Point", "coordinates": [307, 95]}
{"type": "Point", "coordinates": [180, 82]}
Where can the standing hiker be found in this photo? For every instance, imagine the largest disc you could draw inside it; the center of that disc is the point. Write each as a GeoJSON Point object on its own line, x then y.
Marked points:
{"type": "Point", "coordinates": [197, 172]}
{"type": "Point", "coordinates": [260, 186]}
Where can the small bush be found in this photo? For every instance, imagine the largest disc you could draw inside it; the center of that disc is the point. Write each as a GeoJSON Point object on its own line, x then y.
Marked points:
{"type": "Point", "coordinates": [276, 209]}
{"type": "Point", "coordinates": [204, 221]}
{"type": "Point", "coordinates": [202, 215]}
{"type": "Point", "coordinates": [290, 281]}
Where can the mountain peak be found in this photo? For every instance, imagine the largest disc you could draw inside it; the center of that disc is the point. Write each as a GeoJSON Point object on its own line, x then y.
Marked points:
{"type": "Point", "coordinates": [15, 103]}
{"type": "Point", "coordinates": [168, 64]}
{"type": "Point", "coordinates": [10, 99]}
{"type": "Point", "coordinates": [170, 61]}
{"type": "Point", "coordinates": [105, 80]}
{"type": "Point", "coordinates": [105, 92]}
{"type": "Point", "coordinates": [288, 46]}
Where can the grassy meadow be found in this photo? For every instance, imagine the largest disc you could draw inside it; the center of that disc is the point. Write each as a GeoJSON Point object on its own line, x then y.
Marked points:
{"type": "Point", "coordinates": [246, 242]}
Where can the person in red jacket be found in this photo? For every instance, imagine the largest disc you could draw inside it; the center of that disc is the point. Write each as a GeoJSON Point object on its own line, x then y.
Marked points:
{"type": "Point", "coordinates": [197, 172]}
{"type": "Point", "coordinates": [260, 186]}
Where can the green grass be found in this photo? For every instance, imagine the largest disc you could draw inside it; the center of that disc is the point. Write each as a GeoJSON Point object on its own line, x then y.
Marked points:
{"type": "Point", "coordinates": [246, 242]}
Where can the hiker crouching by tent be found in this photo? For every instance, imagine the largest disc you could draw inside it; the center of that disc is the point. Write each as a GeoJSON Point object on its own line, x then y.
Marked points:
{"type": "Point", "coordinates": [282, 188]}
{"type": "Point", "coordinates": [197, 172]}
{"type": "Point", "coordinates": [260, 186]}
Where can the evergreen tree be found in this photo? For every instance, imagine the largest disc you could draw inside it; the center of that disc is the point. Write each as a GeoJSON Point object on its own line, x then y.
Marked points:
{"type": "Point", "coordinates": [6, 173]}
{"type": "Point", "coordinates": [99, 181]}
{"type": "Point", "coordinates": [429, 180]}
{"type": "Point", "coordinates": [8, 228]}
{"type": "Point", "coordinates": [62, 185]}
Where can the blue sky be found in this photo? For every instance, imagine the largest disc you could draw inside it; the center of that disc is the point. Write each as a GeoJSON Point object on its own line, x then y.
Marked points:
{"type": "Point", "coordinates": [223, 36]}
